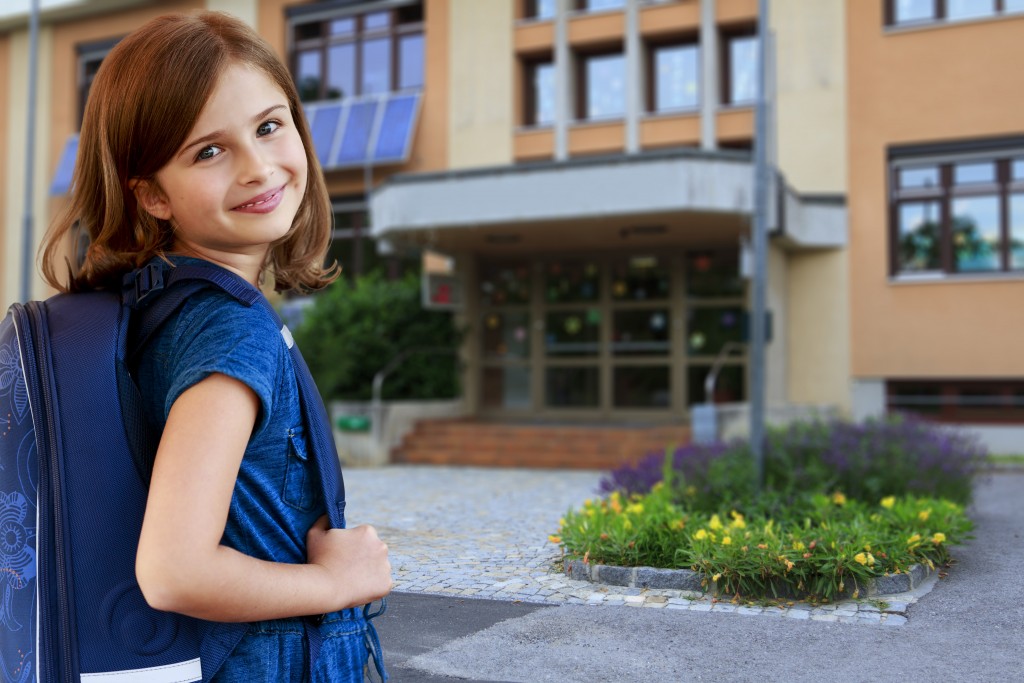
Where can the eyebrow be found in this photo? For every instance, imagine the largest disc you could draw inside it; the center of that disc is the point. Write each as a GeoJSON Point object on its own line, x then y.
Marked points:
{"type": "Point", "coordinates": [218, 133]}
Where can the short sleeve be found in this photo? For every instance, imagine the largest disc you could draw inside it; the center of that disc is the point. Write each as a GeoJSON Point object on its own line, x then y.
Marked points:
{"type": "Point", "coordinates": [221, 335]}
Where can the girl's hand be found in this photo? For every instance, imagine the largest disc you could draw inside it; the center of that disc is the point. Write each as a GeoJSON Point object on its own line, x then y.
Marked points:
{"type": "Point", "coordinates": [355, 561]}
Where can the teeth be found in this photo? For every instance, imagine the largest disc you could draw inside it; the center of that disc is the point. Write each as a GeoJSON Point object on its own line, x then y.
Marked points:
{"type": "Point", "coordinates": [262, 201]}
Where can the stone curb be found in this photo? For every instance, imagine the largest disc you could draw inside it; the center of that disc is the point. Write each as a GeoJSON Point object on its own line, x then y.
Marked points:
{"type": "Point", "coordinates": [688, 580]}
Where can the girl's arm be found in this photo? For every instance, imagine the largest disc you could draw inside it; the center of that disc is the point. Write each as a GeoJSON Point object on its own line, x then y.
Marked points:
{"type": "Point", "coordinates": [181, 565]}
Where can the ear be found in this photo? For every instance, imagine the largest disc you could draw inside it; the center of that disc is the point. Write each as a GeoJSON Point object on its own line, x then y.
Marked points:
{"type": "Point", "coordinates": [151, 198]}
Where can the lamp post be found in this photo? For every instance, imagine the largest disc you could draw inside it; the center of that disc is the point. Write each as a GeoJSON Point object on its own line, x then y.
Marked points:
{"type": "Point", "coordinates": [30, 151]}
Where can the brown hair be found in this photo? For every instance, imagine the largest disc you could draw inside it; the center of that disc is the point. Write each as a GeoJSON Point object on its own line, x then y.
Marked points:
{"type": "Point", "coordinates": [145, 100]}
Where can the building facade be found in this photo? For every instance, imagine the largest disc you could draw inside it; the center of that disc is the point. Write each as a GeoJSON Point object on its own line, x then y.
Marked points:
{"type": "Point", "coordinates": [583, 170]}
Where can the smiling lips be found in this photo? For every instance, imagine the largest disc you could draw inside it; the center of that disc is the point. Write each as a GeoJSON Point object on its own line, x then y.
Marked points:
{"type": "Point", "coordinates": [264, 203]}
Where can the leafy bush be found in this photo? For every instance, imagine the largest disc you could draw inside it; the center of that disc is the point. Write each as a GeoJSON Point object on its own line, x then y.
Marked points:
{"type": "Point", "coordinates": [354, 330]}
{"type": "Point", "coordinates": [895, 456]}
{"type": "Point", "coordinates": [825, 546]}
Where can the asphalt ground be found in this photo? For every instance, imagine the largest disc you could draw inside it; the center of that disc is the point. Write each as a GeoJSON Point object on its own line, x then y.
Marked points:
{"type": "Point", "coordinates": [968, 627]}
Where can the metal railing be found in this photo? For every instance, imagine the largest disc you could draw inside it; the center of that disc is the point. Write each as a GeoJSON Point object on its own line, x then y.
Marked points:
{"type": "Point", "coordinates": [377, 404]}
{"type": "Point", "coordinates": [716, 367]}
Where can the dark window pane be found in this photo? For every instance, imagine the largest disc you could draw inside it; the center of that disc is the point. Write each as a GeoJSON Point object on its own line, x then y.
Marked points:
{"type": "Point", "coordinates": [343, 27]}
{"type": "Point", "coordinates": [308, 31]}
{"type": "Point", "coordinates": [976, 241]}
{"type": "Point", "coordinates": [506, 387]}
{"type": "Point", "coordinates": [309, 74]}
{"type": "Point", "coordinates": [606, 87]}
{"type": "Point", "coordinates": [922, 176]}
{"type": "Point", "coordinates": [571, 282]}
{"type": "Point", "coordinates": [919, 237]}
{"type": "Point", "coordinates": [730, 384]}
{"type": "Point", "coordinates": [713, 274]}
{"type": "Point", "coordinates": [965, 174]}
{"type": "Point", "coordinates": [411, 14]}
{"type": "Point", "coordinates": [505, 284]}
{"type": "Point", "coordinates": [641, 333]}
{"type": "Point", "coordinates": [970, 9]}
{"type": "Point", "coordinates": [572, 334]}
{"type": "Point", "coordinates": [506, 334]}
{"type": "Point", "coordinates": [913, 10]}
{"type": "Point", "coordinates": [923, 399]}
{"type": "Point", "coordinates": [341, 70]}
{"type": "Point", "coordinates": [710, 328]}
{"type": "Point", "coordinates": [543, 84]}
{"type": "Point", "coordinates": [1017, 231]}
{"type": "Point", "coordinates": [572, 387]}
{"type": "Point", "coordinates": [377, 20]}
{"type": "Point", "coordinates": [410, 61]}
{"type": "Point", "coordinates": [642, 387]}
{"type": "Point", "coordinates": [676, 79]}
{"type": "Point", "coordinates": [376, 66]}
{"type": "Point", "coordinates": [640, 278]}
{"type": "Point", "coordinates": [743, 69]}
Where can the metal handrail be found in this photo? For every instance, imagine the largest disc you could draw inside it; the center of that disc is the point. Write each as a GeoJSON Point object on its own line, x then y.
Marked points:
{"type": "Point", "coordinates": [376, 407]}
{"type": "Point", "coordinates": [712, 378]}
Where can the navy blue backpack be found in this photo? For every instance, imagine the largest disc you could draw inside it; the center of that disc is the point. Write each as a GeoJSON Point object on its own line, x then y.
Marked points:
{"type": "Point", "coordinates": [73, 486]}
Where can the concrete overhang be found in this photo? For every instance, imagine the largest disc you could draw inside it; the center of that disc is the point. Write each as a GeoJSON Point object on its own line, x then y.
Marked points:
{"type": "Point", "coordinates": [14, 14]}
{"type": "Point", "coordinates": [693, 186]}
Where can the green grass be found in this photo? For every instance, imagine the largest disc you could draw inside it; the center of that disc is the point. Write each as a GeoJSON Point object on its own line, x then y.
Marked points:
{"type": "Point", "coordinates": [1006, 459]}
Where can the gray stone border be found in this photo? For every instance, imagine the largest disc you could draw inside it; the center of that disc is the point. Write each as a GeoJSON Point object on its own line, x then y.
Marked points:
{"type": "Point", "coordinates": [688, 580]}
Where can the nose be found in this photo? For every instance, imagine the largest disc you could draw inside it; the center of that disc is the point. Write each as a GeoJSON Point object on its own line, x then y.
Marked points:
{"type": "Point", "coordinates": [254, 166]}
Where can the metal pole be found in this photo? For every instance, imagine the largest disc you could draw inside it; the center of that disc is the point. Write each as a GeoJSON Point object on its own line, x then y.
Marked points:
{"type": "Point", "coordinates": [28, 247]}
{"type": "Point", "coordinates": [760, 248]}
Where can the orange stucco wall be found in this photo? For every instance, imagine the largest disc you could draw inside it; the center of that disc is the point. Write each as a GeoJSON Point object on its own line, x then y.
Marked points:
{"type": "Point", "coordinates": [935, 84]}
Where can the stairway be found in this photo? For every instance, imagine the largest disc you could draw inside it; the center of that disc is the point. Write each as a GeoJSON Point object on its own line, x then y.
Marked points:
{"type": "Point", "coordinates": [501, 444]}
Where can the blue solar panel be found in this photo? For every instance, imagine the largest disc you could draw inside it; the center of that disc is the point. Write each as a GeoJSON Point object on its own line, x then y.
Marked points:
{"type": "Point", "coordinates": [358, 128]}
{"type": "Point", "coordinates": [323, 126]}
{"type": "Point", "coordinates": [62, 178]}
{"type": "Point", "coordinates": [396, 128]}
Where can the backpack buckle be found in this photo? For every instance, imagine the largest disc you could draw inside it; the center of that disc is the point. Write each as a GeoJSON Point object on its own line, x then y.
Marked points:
{"type": "Point", "coordinates": [142, 282]}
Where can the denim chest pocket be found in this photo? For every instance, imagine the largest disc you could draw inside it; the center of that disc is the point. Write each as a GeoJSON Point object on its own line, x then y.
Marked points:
{"type": "Point", "coordinates": [300, 488]}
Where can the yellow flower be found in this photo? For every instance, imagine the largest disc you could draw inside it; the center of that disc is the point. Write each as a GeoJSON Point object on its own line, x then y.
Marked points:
{"type": "Point", "coordinates": [726, 541]}
{"type": "Point", "coordinates": [860, 558]}
{"type": "Point", "coordinates": [916, 538]}
{"type": "Point", "coordinates": [616, 504]}
{"type": "Point", "coordinates": [627, 525]}
{"type": "Point", "coordinates": [888, 502]}
{"type": "Point", "coordinates": [798, 545]}
{"type": "Point", "coordinates": [716, 577]}
{"type": "Point", "coordinates": [789, 565]}
{"type": "Point", "coordinates": [634, 509]}
{"type": "Point", "coordinates": [737, 520]}
{"type": "Point", "coordinates": [923, 514]}
{"type": "Point", "coordinates": [658, 486]}
{"type": "Point", "coordinates": [700, 535]}
{"type": "Point", "coordinates": [715, 523]}
{"type": "Point", "coordinates": [690, 491]}
{"type": "Point", "coordinates": [867, 546]}
{"type": "Point", "coordinates": [561, 522]}
{"type": "Point", "coordinates": [555, 539]}
{"type": "Point", "coordinates": [839, 498]}
{"type": "Point", "coordinates": [676, 524]}
{"type": "Point", "coordinates": [938, 538]}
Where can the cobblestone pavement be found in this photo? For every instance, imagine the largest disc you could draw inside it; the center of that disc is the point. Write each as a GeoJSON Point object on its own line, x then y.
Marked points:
{"type": "Point", "coordinates": [482, 533]}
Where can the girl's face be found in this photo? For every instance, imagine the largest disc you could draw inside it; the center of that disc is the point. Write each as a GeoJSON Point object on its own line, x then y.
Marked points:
{"type": "Point", "coordinates": [235, 185]}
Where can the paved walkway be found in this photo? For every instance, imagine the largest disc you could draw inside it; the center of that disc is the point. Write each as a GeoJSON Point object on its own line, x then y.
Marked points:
{"type": "Point", "coordinates": [482, 533]}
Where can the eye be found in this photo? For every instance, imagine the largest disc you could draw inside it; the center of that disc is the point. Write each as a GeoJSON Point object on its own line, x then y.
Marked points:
{"type": "Point", "coordinates": [267, 127]}
{"type": "Point", "coordinates": [208, 152]}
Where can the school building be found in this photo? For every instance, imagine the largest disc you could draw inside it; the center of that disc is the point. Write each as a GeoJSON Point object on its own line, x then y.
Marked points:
{"type": "Point", "coordinates": [580, 174]}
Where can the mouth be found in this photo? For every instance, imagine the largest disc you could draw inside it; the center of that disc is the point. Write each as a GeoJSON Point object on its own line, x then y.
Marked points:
{"type": "Point", "coordinates": [263, 203]}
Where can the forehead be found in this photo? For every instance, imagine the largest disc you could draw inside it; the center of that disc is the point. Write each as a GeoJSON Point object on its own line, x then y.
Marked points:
{"type": "Point", "coordinates": [241, 92]}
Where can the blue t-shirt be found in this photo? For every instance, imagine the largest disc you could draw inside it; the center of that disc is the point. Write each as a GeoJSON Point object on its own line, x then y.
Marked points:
{"type": "Point", "coordinates": [277, 496]}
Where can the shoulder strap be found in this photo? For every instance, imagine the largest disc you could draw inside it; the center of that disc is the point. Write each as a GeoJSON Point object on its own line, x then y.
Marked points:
{"type": "Point", "coordinates": [175, 285]}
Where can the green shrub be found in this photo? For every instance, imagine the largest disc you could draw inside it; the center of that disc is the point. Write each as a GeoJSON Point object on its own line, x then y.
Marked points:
{"type": "Point", "coordinates": [353, 330]}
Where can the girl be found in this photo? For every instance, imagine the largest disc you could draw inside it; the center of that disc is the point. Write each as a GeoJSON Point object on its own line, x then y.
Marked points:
{"type": "Point", "coordinates": [194, 146]}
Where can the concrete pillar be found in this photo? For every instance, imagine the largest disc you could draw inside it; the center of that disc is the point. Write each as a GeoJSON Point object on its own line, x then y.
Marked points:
{"type": "Point", "coordinates": [634, 77]}
{"type": "Point", "coordinates": [563, 80]}
{"type": "Point", "coordinates": [709, 77]}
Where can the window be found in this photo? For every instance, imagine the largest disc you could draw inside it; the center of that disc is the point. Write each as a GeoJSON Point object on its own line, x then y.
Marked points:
{"type": "Point", "coordinates": [740, 69]}
{"type": "Point", "coordinates": [915, 12]}
{"type": "Point", "coordinates": [540, 9]}
{"type": "Point", "coordinates": [674, 77]}
{"type": "Point", "coordinates": [90, 56]}
{"type": "Point", "coordinates": [957, 214]}
{"type": "Point", "coordinates": [355, 250]}
{"type": "Point", "coordinates": [599, 5]}
{"type": "Point", "coordinates": [964, 401]}
{"type": "Point", "coordinates": [601, 91]}
{"type": "Point", "coordinates": [360, 54]}
{"type": "Point", "coordinates": [539, 95]}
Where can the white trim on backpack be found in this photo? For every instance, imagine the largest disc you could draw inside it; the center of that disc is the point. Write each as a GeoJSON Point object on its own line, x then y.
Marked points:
{"type": "Point", "coordinates": [182, 672]}
{"type": "Point", "coordinates": [287, 334]}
